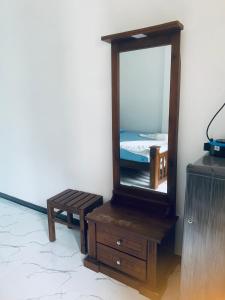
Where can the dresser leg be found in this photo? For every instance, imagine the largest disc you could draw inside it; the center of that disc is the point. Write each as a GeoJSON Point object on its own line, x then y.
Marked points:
{"type": "Point", "coordinates": [152, 265]}
{"type": "Point", "coordinates": [150, 294]}
{"type": "Point", "coordinates": [91, 264]}
{"type": "Point", "coordinates": [91, 260]}
{"type": "Point", "coordinates": [92, 239]}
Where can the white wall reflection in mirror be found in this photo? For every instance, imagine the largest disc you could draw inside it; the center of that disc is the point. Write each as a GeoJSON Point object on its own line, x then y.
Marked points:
{"type": "Point", "coordinates": [144, 115]}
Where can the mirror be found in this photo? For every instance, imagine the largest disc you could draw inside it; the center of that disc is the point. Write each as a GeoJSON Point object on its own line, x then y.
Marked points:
{"type": "Point", "coordinates": [145, 98]}
{"type": "Point", "coordinates": [144, 117]}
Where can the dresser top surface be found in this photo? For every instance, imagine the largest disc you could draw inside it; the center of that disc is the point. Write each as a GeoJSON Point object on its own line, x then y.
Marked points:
{"type": "Point", "coordinates": [139, 222]}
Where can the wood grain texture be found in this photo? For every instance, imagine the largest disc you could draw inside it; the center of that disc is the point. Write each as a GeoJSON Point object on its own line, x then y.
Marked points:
{"type": "Point", "coordinates": [122, 240]}
{"type": "Point", "coordinates": [92, 239]}
{"type": "Point", "coordinates": [165, 28]}
{"type": "Point", "coordinates": [51, 224]}
{"type": "Point", "coordinates": [115, 114]}
{"type": "Point", "coordinates": [72, 201]}
{"type": "Point", "coordinates": [152, 265]}
{"type": "Point", "coordinates": [161, 38]}
{"type": "Point", "coordinates": [140, 220]}
{"type": "Point", "coordinates": [173, 119]}
{"type": "Point", "coordinates": [121, 261]}
{"type": "Point", "coordinates": [157, 168]}
{"type": "Point", "coordinates": [137, 222]}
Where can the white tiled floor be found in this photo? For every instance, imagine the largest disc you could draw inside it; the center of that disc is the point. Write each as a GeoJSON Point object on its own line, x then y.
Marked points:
{"type": "Point", "coordinates": [32, 268]}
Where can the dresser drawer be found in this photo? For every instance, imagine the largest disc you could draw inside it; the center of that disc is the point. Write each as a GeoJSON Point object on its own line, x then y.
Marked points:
{"type": "Point", "coordinates": [122, 240]}
{"type": "Point", "coordinates": [123, 262]}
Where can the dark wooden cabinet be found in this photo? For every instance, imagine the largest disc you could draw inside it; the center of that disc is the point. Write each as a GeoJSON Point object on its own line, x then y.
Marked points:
{"type": "Point", "coordinates": [122, 240]}
{"type": "Point", "coordinates": [203, 257]}
{"type": "Point", "coordinates": [122, 261]}
{"type": "Point", "coordinates": [127, 244]}
{"type": "Point", "coordinates": [131, 238]}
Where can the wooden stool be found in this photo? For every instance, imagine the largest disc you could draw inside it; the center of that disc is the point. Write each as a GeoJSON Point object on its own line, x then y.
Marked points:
{"type": "Point", "coordinates": [73, 202]}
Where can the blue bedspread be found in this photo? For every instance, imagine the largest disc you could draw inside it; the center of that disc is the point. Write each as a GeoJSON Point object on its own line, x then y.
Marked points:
{"type": "Point", "coordinates": [131, 136]}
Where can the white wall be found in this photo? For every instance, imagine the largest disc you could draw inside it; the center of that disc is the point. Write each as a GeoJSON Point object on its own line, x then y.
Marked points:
{"type": "Point", "coordinates": [55, 94]}
{"type": "Point", "coordinates": [142, 89]}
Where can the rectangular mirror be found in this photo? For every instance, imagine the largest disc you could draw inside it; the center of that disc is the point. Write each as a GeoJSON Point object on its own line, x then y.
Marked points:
{"type": "Point", "coordinates": [144, 117]}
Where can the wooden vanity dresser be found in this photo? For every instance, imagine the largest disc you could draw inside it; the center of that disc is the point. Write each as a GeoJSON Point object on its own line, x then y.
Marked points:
{"type": "Point", "coordinates": [125, 244]}
{"type": "Point", "coordinates": [131, 238]}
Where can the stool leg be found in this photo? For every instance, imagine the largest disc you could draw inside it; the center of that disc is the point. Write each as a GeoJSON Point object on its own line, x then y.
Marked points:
{"type": "Point", "coordinates": [69, 220]}
{"type": "Point", "coordinates": [51, 223]}
{"type": "Point", "coordinates": [83, 233]}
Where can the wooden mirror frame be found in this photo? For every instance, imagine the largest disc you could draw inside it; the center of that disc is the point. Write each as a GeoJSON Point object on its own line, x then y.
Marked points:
{"type": "Point", "coordinates": [155, 36]}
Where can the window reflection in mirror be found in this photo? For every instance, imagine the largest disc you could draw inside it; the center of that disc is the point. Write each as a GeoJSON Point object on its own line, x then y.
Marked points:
{"type": "Point", "coordinates": [144, 117]}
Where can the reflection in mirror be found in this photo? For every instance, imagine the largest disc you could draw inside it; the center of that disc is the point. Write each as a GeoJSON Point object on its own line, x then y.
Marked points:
{"type": "Point", "coordinates": [144, 117]}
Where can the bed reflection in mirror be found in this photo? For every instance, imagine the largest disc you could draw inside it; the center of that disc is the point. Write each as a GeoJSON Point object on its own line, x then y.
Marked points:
{"type": "Point", "coordinates": [144, 117]}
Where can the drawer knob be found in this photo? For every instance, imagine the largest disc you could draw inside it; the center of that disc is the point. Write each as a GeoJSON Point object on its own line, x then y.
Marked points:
{"type": "Point", "coordinates": [118, 262]}
{"type": "Point", "coordinates": [190, 221]}
{"type": "Point", "coordinates": [118, 242]}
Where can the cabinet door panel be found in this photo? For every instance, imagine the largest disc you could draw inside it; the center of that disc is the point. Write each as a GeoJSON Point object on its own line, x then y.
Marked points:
{"type": "Point", "coordinates": [203, 259]}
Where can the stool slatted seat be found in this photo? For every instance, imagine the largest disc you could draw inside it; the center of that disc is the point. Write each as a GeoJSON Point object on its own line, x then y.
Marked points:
{"type": "Point", "coordinates": [72, 202]}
